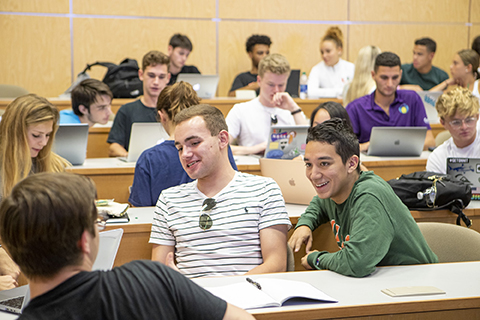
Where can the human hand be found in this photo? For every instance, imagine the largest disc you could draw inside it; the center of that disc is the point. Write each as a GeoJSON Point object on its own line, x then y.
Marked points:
{"type": "Point", "coordinates": [364, 146]}
{"type": "Point", "coordinates": [301, 235]}
{"type": "Point", "coordinates": [305, 261]}
{"type": "Point", "coordinates": [7, 282]}
{"type": "Point", "coordinates": [7, 266]}
{"type": "Point", "coordinates": [284, 101]}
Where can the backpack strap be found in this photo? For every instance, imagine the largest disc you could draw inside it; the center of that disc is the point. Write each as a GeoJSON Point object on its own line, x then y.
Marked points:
{"type": "Point", "coordinates": [457, 207]}
{"type": "Point", "coordinates": [103, 64]}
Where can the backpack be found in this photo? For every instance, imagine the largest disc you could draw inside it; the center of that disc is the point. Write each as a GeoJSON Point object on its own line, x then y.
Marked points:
{"type": "Point", "coordinates": [122, 79]}
{"type": "Point", "coordinates": [425, 190]}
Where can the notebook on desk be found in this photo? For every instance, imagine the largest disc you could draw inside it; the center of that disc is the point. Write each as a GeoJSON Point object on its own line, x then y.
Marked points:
{"type": "Point", "coordinates": [397, 141]}
{"type": "Point", "coordinates": [71, 142]}
{"type": "Point", "coordinates": [14, 300]}
{"type": "Point", "coordinates": [144, 135]}
{"type": "Point", "coordinates": [286, 142]}
{"type": "Point", "coordinates": [204, 85]}
{"type": "Point", "coordinates": [468, 168]}
{"type": "Point", "coordinates": [429, 98]}
{"type": "Point", "coordinates": [290, 177]}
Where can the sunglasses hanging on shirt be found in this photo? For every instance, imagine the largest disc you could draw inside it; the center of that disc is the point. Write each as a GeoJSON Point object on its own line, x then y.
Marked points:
{"type": "Point", "coordinates": [205, 222]}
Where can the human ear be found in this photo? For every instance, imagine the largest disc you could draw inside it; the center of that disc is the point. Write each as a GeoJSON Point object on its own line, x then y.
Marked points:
{"type": "Point", "coordinates": [353, 163]}
{"type": "Point", "coordinates": [84, 110]}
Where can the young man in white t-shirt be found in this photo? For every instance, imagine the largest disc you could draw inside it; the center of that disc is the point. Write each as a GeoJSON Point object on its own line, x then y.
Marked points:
{"type": "Point", "coordinates": [249, 122]}
{"type": "Point", "coordinates": [458, 112]}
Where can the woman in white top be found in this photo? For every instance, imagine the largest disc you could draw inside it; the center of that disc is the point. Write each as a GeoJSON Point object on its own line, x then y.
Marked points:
{"type": "Point", "coordinates": [362, 83]}
{"type": "Point", "coordinates": [463, 72]}
{"type": "Point", "coordinates": [327, 78]}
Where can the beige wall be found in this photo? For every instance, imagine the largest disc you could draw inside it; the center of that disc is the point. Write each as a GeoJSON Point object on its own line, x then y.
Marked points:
{"type": "Point", "coordinates": [44, 44]}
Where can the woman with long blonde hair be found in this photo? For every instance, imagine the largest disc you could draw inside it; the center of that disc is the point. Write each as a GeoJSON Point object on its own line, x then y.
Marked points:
{"type": "Point", "coordinates": [362, 83]}
{"type": "Point", "coordinates": [27, 130]}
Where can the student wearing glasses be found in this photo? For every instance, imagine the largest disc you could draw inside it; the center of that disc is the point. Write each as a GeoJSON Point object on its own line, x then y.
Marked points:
{"type": "Point", "coordinates": [458, 112]}
{"type": "Point", "coordinates": [50, 225]}
{"type": "Point", "coordinates": [225, 222]}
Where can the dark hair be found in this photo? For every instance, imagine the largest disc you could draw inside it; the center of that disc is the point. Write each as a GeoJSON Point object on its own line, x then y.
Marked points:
{"type": "Point", "coordinates": [177, 97]}
{"type": "Point", "coordinates": [153, 58]}
{"type": "Point", "coordinates": [43, 218]}
{"type": "Point", "coordinates": [387, 59]}
{"type": "Point", "coordinates": [339, 134]}
{"type": "Point", "coordinates": [334, 34]}
{"type": "Point", "coordinates": [334, 109]}
{"type": "Point", "coordinates": [427, 42]}
{"type": "Point", "coordinates": [476, 44]}
{"type": "Point", "coordinates": [87, 92]}
{"type": "Point", "coordinates": [257, 39]}
{"type": "Point", "coordinates": [180, 40]}
{"type": "Point", "coordinates": [214, 119]}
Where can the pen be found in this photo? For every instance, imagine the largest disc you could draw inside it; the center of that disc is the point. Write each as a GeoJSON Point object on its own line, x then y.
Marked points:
{"type": "Point", "coordinates": [255, 283]}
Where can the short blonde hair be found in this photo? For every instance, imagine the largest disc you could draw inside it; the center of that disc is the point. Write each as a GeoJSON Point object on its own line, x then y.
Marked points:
{"type": "Point", "coordinates": [457, 100]}
{"type": "Point", "coordinates": [274, 63]}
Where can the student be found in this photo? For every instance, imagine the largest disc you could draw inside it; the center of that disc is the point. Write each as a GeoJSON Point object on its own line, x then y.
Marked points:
{"type": "Point", "coordinates": [50, 225]}
{"type": "Point", "coordinates": [27, 129]}
{"type": "Point", "coordinates": [458, 112]}
{"type": "Point", "coordinates": [362, 83]}
{"type": "Point", "coordinates": [326, 80]}
{"type": "Point", "coordinates": [179, 49]}
{"type": "Point", "coordinates": [249, 122]}
{"type": "Point", "coordinates": [387, 106]}
{"type": "Point", "coordinates": [91, 103]}
{"type": "Point", "coordinates": [464, 72]}
{"type": "Point", "coordinates": [326, 111]}
{"type": "Point", "coordinates": [258, 47]}
{"type": "Point", "coordinates": [225, 222]}
{"type": "Point", "coordinates": [371, 225]}
{"type": "Point", "coordinates": [159, 168]}
{"type": "Point", "coordinates": [421, 75]}
{"type": "Point", "coordinates": [155, 76]}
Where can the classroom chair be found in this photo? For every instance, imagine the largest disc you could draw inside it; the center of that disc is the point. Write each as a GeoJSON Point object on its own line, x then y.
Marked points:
{"type": "Point", "coordinates": [11, 91]}
{"type": "Point", "coordinates": [290, 259]}
{"type": "Point", "coordinates": [442, 137]}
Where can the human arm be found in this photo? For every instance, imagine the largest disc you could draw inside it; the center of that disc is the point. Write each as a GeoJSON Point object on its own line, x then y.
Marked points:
{"type": "Point", "coordinates": [7, 266]}
{"type": "Point", "coordinates": [141, 190]}
{"type": "Point", "coordinates": [284, 101]}
{"type": "Point", "coordinates": [364, 146]}
{"type": "Point", "coordinates": [414, 87]}
{"type": "Point", "coordinates": [234, 313]}
{"type": "Point", "coordinates": [274, 250]}
{"type": "Point", "coordinates": [160, 252]}
{"type": "Point", "coordinates": [429, 140]}
{"type": "Point", "coordinates": [444, 85]}
{"type": "Point", "coordinates": [117, 135]}
{"type": "Point", "coordinates": [116, 150]}
{"type": "Point", "coordinates": [245, 150]}
{"type": "Point", "coordinates": [301, 235]}
{"type": "Point", "coordinates": [251, 86]}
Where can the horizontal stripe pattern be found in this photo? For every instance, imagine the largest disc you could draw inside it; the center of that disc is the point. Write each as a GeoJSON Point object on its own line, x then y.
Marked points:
{"type": "Point", "coordinates": [231, 246]}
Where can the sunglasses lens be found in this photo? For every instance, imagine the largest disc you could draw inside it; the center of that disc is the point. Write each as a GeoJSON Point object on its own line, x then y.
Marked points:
{"type": "Point", "coordinates": [208, 204]}
{"type": "Point", "coordinates": [205, 221]}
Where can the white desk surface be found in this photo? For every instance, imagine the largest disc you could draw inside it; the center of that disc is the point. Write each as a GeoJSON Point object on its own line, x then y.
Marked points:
{"type": "Point", "coordinates": [352, 292]}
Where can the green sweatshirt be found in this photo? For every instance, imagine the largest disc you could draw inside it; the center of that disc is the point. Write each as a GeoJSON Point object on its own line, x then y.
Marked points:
{"type": "Point", "coordinates": [372, 228]}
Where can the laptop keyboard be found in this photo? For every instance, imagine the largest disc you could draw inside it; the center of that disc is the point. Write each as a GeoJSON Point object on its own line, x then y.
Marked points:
{"type": "Point", "coordinates": [14, 303]}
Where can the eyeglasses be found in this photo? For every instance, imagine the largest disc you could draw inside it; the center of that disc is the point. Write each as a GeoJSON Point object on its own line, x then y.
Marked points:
{"type": "Point", "coordinates": [273, 119]}
{"type": "Point", "coordinates": [205, 222]}
{"type": "Point", "coordinates": [101, 222]}
{"type": "Point", "coordinates": [469, 122]}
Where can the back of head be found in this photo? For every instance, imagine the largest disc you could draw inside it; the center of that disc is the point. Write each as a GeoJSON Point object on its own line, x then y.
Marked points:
{"type": "Point", "coordinates": [180, 40]}
{"type": "Point", "coordinates": [334, 34]}
{"type": "Point", "coordinates": [274, 63]}
{"type": "Point", "coordinates": [338, 133]}
{"type": "Point", "coordinates": [177, 97]}
{"type": "Point", "coordinates": [334, 109]}
{"type": "Point", "coordinates": [214, 119]}
{"type": "Point", "coordinates": [459, 100]}
{"type": "Point", "coordinates": [257, 39]}
{"type": "Point", "coordinates": [427, 42]}
{"type": "Point", "coordinates": [476, 44]}
{"type": "Point", "coordinates": [42, 221]}
{"type": "Point", "coordinates": [153, 58]}
{"type": "Point", "coordinates": [87, 92]}
{"type": "Point", "coordinates": [470, 57]}
{"type": "Point", "coordinates": [387, 59]}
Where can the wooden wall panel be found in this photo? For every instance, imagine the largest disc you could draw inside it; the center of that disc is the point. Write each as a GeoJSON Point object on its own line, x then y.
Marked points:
{"type": "Point", "coordinates": [299, 43]}
{"type": "Point", "coordinates": [330, 10]}
{"type": "Point", "coordinates": [474, 32]}
{"type": "Point", "coordinates": [410, 10]}
{"type": "Point", "coordinates": [50, 6]}
{"type": "Point", "coordinates": [35, 53]}
{"type": "Point", "coordinates": [400, 39]}
{"type": "Point", "coordinates": [475, 11]}
{"type": "Point", "coordinates": [115, 39]}
{"type": "Point", "coordinates": [148, 8]}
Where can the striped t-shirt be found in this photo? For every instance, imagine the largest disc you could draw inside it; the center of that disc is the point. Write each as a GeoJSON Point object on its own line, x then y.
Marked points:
{"type": "Point", "coordinates": [232, 245]}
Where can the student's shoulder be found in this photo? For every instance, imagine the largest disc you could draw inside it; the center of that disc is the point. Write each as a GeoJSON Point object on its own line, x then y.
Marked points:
{"type": "Point", "coordinates": [189, 69]}
{"type": "Point", "coordinates": [251, 180]}
{"type": "Point", "coordinates": [247, 105]}
{"type": "Point", "coordinates": [407, 67]}
{"type": "Point", "coordinates": [439, 72]}
{"type": "Point", "coordinates": [130, 106]}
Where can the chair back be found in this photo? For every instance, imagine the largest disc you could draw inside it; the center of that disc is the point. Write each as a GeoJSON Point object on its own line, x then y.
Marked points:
{"type": "Point", "coordinates": [290, 259]}
{"type": "Point", "coordinates": [11, 91]}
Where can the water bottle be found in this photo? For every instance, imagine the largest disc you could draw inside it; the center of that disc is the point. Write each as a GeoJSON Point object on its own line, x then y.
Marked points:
{"type": "Point", "coordinates": [303, 86]}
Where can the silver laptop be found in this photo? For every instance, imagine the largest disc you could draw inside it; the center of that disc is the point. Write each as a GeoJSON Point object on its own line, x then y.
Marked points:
{"type": "Point", "coordinates": [429, 98]}
{"type": "Point", "coordinates": [290, 177]}
{"type": "Point", "coordinates": [468, 168]}
{"type": "Point", "coordinates": [286, 142]}
{"type": "Point", "coordinates": [71, 142]}
{"type": "Point", "coordinates": [204, 85]}
{"type": "Point", "coordinates": [144, 135]}
{"type": "Point", "coordinates": [397, 141]}
{"type": "Point", "coordinates": [14, 300]}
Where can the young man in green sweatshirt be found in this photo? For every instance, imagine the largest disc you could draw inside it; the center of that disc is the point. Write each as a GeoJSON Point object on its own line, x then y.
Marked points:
{"type": "Point", "coordinates": [371, 225]}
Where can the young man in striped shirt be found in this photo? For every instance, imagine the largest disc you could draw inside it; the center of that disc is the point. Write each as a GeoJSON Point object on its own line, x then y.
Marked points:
{"type": "Point", "coordinates": [224, 222]}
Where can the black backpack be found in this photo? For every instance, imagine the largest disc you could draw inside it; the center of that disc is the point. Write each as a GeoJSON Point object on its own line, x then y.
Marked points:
{"type": "Point", "coordinates": [122, 79]}
{"type": "Point", "coordinates": [425, 190]}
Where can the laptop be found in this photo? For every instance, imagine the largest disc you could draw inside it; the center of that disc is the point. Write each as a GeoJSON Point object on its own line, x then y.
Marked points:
{"type": "Point", "coordinates": [204, 85]}
{"type": "Point", "coordinates": [71, 142]}
{"type": "Point", "coordinates": [293, 83]}
{"type": "Point", "coordinates": [429, 98]}
{"type": "Point", "coordinates": [468, 168]}
{"type": "Point", "coordinates": [14, 300]}
{"type": "Point", "coordinates": [144, 135]}
{"type": "Point", "coordinates": [290, 177]}
{"type": "Point", "coordinates": [286, 142]}
{"type": "Point", "coordinates": [397, 141]}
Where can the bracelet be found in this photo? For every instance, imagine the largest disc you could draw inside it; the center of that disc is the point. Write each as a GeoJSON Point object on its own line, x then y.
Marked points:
{"type": "Point", "coordinates": [296, 111]}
